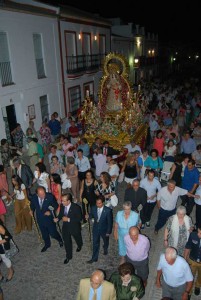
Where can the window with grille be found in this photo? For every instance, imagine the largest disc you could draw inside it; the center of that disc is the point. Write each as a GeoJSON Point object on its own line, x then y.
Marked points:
{"type": "Point", "coordinates": [38, 51]}
{"type": "Point", "coordinates": [5, 65]}
{"type": "Point", "coordinates": [75, 98]}
{"type": "Point", "coordinates": [44, 106]}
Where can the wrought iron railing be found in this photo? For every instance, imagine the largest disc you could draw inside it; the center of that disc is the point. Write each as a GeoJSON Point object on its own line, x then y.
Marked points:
{"type": "Point", "coordinates": [84, 63]}
{"type": "Point", "coordinates": [5, 73]}
{"type": "Point", "coordinates": [40, 68]}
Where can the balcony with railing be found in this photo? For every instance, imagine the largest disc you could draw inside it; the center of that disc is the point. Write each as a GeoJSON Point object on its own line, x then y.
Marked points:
{"type": "Point", "coordinates": [40, 68]}
{"type": "Point", "coordinates": [84, 63]}
{"type": "Point", "coordinates": [5, 73]}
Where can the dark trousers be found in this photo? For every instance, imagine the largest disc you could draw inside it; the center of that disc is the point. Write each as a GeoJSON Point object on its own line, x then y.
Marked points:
{"type": "Point", "coordinates": [198, 215]}
{"type": "Point", "coordinates": [188, 202]}
{"type": "Point", "coordinates": [163, 215]}
{"type": "Point", "coordinates": [48, 231]}
{"type": "Point", "coordinates": [96, 243]}
{"type": "Point", "coordinates": [142, 216]}
{"type": "Point", "coordinates": [148, 210]}
{"type": "Point", "coordinates": [67, 237]}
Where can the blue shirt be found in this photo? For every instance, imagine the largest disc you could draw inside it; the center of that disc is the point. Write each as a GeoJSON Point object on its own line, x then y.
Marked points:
{"type": "Point", "coordinates": [153, 164]}
{"type": "Point", "coordinates": [85, 148]}
{"type": "Point", "coordinates": [188, 146]}
{"type": "Point", "coordinates": [140, 161]}
{"type": "Point", "coordinates": [83, 164]}
{"type": "Point", "coordinates": [98, 293]}
{"type": "Point", "coordinates": [190, 178]}
{"type": "Point", "coordinates": [55, 127]}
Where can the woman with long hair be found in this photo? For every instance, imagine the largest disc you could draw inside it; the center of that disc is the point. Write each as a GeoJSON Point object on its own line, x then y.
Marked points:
{"type": "Point", "coordinates": [23, 219]}
{"type": "Point", "coordinates": [41, 176]}
{"type": "Point", "coordinates": [5, 238]}
{"type": "Point", "coordinates": [56, 189]}
{"type": "Point", "coordinates": [87, 190]}
{"type": "Point", "coordinates": [130, 169]}
{"type": "Point", "coordinates": [105, 188]}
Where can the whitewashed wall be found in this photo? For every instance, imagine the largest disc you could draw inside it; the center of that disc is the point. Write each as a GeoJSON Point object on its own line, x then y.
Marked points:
{"type": "Point", "coordinates": [28, 88]}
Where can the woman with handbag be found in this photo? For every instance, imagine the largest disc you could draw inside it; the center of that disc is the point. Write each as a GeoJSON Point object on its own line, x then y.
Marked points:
{"type": "Point", "coordinates": [106, 188]}
{"type": "Point", "coordinates": [5, 238]}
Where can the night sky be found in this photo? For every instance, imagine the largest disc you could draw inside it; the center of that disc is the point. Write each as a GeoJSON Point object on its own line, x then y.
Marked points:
{"type": "Point", "coordinates": [173, 21]}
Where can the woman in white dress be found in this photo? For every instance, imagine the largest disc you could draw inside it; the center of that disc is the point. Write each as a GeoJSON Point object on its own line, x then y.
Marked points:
{"type": "Point", "coordinates": [42, 177]}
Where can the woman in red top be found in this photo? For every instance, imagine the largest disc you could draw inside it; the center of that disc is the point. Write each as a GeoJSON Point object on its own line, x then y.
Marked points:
{"type": "Point", "coordinates": [56, 187]}
{"type": "Point", "coordinates": [159, 142]}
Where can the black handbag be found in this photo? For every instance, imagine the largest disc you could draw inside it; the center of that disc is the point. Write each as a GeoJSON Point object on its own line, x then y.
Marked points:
{"type": "Point", "coordinates": [12, 251]}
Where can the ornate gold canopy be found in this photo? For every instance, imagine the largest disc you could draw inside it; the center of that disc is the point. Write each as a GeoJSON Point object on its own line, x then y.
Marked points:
{"type": "Point", "coordinates": [117, 117]}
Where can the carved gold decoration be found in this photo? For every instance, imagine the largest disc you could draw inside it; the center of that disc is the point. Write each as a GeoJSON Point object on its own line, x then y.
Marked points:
{"type": "Point", "coordinates": [121, 119]}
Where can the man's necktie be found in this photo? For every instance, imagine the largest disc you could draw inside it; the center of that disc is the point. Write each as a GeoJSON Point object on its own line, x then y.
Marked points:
{"type": "Point", "coordinates": [66, 211]}
{"type": "Point", "coordinates": [41, 203]}
{"type": "Point", "coordinates": [99, 214]}
{"type": "Point", "coordinates": [105, 151]}
{"type": "Point", "coordinates": [95, 295]}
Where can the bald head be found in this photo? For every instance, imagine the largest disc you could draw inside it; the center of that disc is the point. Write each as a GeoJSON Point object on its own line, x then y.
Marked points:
{"type": "Point", "coordinates": [96, 279]}
{"type": "Point", "coordinates": [170, 255]}
{"type": "Point", "coordinates": [134, 233]}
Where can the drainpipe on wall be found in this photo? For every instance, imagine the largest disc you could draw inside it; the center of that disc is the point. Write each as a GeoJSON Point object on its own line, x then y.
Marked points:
{"type": "Point", "coordinates": [62, 67]}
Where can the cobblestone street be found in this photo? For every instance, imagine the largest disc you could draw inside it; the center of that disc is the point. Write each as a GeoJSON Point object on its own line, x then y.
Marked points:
{"type": "Point", "coordinates": [43, 276]}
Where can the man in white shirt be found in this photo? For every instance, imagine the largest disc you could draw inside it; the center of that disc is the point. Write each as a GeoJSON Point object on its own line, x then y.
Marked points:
{"type": "Point", "coordinates": [83, 164]}
{"type": "Point", "coordinates": [132, 147]}
{"type": "Point", "coordinates": [167, 200]}
{"type": "Point", "coordinates": [100, 162]}
{"type": "Point", "coordinates": [177, 275]}
{"type": "Point", "coordinates": [152, 186]}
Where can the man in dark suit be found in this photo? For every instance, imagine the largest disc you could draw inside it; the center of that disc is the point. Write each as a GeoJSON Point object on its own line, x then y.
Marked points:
{"type": "Point", "coordinates": [25, 173]}
{"type": "Point", "coordinates": [138, 197]}
{"type": "Point", "coordinates": [103, 222]}
{"type": "Point", "coordinates": [41, 202]}
{"type": "Point", "coordinates": [107, 150]}
{"type": "Point", "coordinates": [71, 215]}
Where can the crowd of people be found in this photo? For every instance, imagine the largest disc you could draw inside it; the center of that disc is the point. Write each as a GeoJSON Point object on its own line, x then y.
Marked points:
{"type": "Point", "coordinates": [78, 184]}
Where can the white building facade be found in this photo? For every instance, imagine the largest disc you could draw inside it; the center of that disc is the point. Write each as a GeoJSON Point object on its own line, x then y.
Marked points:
{"type": "Point", "coordinates": [30, 69]}
{"type": "Point", "coordinates": [49, 59]}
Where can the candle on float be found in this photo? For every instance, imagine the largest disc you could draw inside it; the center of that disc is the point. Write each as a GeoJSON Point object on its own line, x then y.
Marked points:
{"type": "Point", "coordinates": [139, 87]}
{"type": "Point", "coordinates": [128, 95]}
{"type": "Point", "coordinates": [82, 113]}
{"type": "Point", "coordinates": [135, 95]}
{"type": "Point", "coordinates": [91, 104]}
{"type": "Point", "coordinates": [87, 93]}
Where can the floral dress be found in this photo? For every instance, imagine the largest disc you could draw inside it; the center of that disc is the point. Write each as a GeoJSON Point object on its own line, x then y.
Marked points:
{"type": "Point", "coordinates": [182, 236]}
{"type": "Point", "coordinates": [45, 135]}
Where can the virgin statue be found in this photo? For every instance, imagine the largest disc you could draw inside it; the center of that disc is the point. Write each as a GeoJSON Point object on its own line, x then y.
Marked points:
{"type": "Point", "coordinates": [114, 98]}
